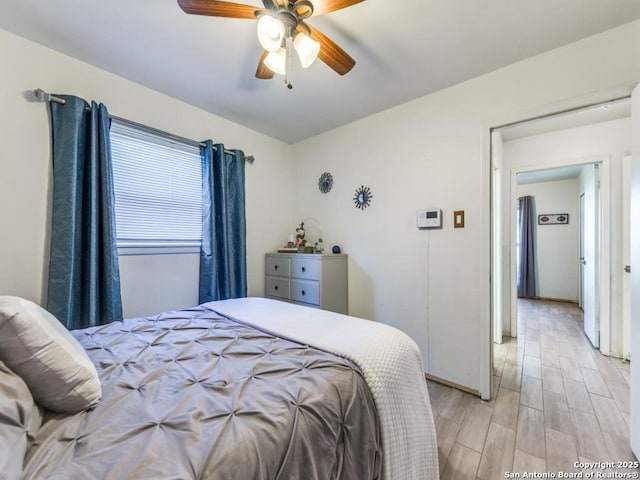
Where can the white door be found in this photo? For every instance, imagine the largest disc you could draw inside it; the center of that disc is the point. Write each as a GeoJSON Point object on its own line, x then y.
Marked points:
{"type": "Point", "coordinates": [635, 272]}
{"type": "Point", "coordinates": [588, 259]}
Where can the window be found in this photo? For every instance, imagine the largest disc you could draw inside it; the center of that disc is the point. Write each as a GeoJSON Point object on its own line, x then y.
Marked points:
{"type": "Point", "coordinates": [158, 189]}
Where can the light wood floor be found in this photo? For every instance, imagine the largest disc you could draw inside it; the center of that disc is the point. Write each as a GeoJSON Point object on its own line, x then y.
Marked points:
{"type": "Point", "coordinates": [556, 401]}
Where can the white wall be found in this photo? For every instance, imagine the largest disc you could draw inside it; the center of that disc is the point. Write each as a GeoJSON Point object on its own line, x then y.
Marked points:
{"type": "Point", "coordinates": [434, 152]}
{"type": "Point", "coordinates": [25, 159]}
{"type": "Point", "coordinates": [609, 140]}
{"type": "Point", "coordinates": [431, 152]}
{"type": "Point", "coordinates": [556, 245]}
{"type": "Point", "coordinates": [150, 284]}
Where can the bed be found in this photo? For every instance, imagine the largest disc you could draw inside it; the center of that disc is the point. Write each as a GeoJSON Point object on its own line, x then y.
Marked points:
{"type": "Point", "coordinates": [238, 389]}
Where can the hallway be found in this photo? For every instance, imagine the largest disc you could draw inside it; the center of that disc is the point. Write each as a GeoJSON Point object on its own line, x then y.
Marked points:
{"type": "Point", "coordinates": [556, 401]}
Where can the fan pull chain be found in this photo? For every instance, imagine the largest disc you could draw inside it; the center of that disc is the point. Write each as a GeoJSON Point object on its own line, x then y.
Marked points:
{"type": "Point", "coordinates": [287, 65]}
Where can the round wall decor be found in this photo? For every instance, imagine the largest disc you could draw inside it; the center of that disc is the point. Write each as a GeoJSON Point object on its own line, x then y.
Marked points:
{"type": "Point", "coordinates": [325, 183]}
{"type": "Point", "coordinates": [362, 197]}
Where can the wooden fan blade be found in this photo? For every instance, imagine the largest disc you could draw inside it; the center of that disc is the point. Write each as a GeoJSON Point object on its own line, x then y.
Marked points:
{"type": "Point", "coordinates": [331, 53]}
{"type": "Point", "coordinates": [216, 8]}
{"type": "Point", "coordinates": [263, 72]}
{"type": "Point", "coordinates": [320, 7]}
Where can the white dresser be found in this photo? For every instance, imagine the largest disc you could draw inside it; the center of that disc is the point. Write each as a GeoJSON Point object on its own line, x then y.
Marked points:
{"type": "Point", "coordinates": [313, 280]}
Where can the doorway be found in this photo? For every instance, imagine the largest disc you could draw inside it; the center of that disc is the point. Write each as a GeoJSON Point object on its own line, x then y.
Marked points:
{"type": "Point", "coordinates": [563, 148]}
{"type": "Point", "coordinates": [566, 228]}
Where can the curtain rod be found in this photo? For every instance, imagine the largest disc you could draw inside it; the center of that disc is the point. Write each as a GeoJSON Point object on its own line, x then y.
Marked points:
{"type": "Point", "coordinates": [43, 96]}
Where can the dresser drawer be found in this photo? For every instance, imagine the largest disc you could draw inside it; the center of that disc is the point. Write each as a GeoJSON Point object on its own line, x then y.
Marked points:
{"type": "Point", "coordinates": [307, 292]}
{"type": "Point", "coordinates": [277, 266]}
{"type": "Point", "coordinates": [277, 287]}
{"type": "Point", "coordinates": [306, 268]}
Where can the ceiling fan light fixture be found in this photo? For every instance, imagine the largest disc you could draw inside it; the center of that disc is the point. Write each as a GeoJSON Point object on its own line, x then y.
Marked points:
{"type": "Point", "coordinates": [306, 48]}
{"type": "Point", "coordinates": [277, 61]}
{"type": "Point", "coordinates": [279, 23]}
{"type": "Point", "coordinates": [270, 33]}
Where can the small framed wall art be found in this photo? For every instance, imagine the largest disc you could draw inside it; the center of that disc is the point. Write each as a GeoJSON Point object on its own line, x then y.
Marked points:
{"type": "Point", "coordinates": [553, 219]}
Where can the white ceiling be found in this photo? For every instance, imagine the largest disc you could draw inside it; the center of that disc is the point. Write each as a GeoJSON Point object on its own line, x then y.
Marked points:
{"type": "Point", "coordinates": [403, 50]}
{"type": "Point", "coordinates": [550, 175]}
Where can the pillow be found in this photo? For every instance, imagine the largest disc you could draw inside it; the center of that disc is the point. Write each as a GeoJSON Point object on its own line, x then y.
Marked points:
{"type": "Point", "coordinates": [20, 420]}
{"type": "Point", "coordinates": [53, 364]}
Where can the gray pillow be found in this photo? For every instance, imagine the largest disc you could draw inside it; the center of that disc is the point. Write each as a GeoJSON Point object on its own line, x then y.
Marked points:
{"type": "Point", "coordinates": [20, 420]}
{"type": "Point", "coordinates": [53, 364]}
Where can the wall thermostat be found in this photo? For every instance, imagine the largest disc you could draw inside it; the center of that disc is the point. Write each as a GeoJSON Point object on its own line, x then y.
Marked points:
{"type": "Point", "coordinates": [429, 218]}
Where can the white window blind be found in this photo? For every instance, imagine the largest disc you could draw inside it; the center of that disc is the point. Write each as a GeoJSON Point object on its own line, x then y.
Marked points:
{"type": "Point", "coordinates": [158, 189]}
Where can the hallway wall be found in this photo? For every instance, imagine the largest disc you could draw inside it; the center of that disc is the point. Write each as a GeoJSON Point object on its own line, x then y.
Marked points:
{"type": "Point", "coordinates": [557, 245]}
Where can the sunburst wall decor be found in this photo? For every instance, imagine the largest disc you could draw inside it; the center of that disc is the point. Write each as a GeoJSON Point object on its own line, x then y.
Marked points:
{"type": "Point", "coordinates": [362, 197]}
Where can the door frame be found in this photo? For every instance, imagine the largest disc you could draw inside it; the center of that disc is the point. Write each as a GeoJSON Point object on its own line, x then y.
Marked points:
{"type": "Point", "coordinates": [626, 256]}
{"type": "Point", "coordinates": [488, 273]}
{"type": "Point", "coordinates": [634, 425]}
{"type": "Point", "coordinates": [581, 201]}
{"type": "Point", "coordinates": [604, 260]}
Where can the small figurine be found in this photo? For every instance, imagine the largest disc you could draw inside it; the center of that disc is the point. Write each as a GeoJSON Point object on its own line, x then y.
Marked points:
{"type": "Point", "coordinates": [300, 241]}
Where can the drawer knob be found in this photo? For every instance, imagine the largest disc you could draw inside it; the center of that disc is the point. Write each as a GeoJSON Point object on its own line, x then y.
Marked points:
{"type": "Point", "coordinates": [276, 288]}
{"type": "Point", "coordinates": [303, 292]}
{"type": "Point", "coordinates": [304, 269]}
{"type": "Point", "coordinates": [275, 267]}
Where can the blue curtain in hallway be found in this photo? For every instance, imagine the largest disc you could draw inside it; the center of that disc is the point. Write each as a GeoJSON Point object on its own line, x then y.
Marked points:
{"type": "Point", "coordinates": [84, 280]}
{"type": "Point", "coordinates": [526, 281]}
{"type": "Point", "coordinates": [223, 255]}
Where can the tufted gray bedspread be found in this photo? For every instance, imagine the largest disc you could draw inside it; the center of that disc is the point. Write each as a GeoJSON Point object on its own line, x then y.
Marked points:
{"type": "Point", "coordinates": [192, 395]}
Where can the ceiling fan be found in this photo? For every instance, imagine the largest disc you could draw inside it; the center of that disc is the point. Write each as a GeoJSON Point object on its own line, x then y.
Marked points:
{"type": "Point", "coordinates": [282, 29]}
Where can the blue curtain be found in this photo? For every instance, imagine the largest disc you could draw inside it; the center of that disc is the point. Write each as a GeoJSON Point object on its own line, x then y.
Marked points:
{"type": "Point", "coordinates": [223, 255]}
{"type": "Point", "coordinates": [526, 281]}
{"type": "Point", "coordinates": [84, 280]}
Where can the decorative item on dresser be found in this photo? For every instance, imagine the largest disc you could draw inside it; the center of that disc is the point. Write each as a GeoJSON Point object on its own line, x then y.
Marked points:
{"type": "Point", "coordinates": [313, 280]}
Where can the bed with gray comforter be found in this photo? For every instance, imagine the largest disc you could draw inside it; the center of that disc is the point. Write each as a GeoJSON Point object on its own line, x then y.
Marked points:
{"type": "Point", "coordinates": [238, 389]}
{"type": "Point", "coordinates": [194, 395]}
